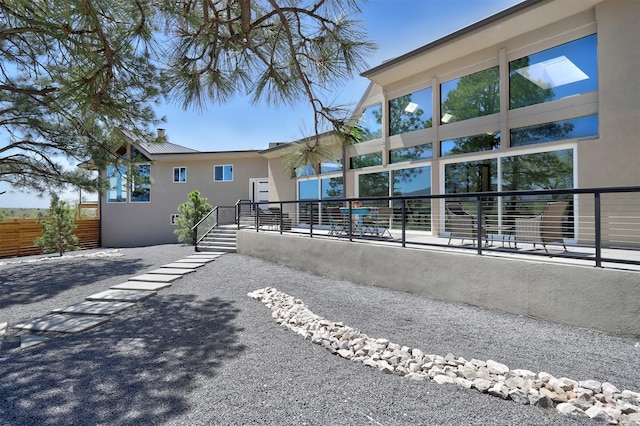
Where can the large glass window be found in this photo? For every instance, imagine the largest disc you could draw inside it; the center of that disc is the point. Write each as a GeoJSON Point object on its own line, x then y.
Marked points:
{"type": "Point", "coordinates": [141, 184]}
{"type": "Point", "coordinates": [579, 127]}
{"type": "Point", "coordinates": [366, 160]}
{"type": "Point", "coordinates": [371, 123]}
{"type": "Point", "coordinates": [562, 71]}
{"type": "Point", "coordinates": [468, 144]}
{"type": "Point", "coordinates": [308, 189]}
{"type": "Point", "coordinates": [411, 153]}
{"type": "Point", "coordinates": [474, 95]}
{"type": "Point", "coordinates": [471, 176]}
{"type": "Point", "coordinates": [543, 170]}
{"type": "Point", "coordinates": [411, 112]}
{"type": "Point", "coordinates": [373, 184]}
{"type": "Point", "coordinates": [117, 192]}
{"type": "Point", "coordinates": [410, 182]}
{"type": "Point", "coordinates": [223, 173]}
{"type": "Point", "coordinates": [332, 187]}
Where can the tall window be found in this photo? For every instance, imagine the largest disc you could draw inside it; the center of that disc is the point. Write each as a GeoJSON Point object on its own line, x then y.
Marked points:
{"type": "Point", "coordinates": [179, 174]}
{"type": "Point", "coordinates": [117, 192]}
{"type": "Point", "coordinates": [141, 183]}
{"type": "Point", "coordinates": [566, 70]}
{"type": "Point", "coordinates": [373, 184]}
{"type": "Point", "coordinates": [410, 112]}
{"type": "Point", "coordinates": [413, 181]}
{"type": "Point", "coordinates": [474, 95]}
{"type": "Point", "coordinates": [223, 173]}
{"type": "Point", "coordinates": [371, 122]}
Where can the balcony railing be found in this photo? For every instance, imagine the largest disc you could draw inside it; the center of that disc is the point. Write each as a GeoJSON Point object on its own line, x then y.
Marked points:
{"type": "Point", "coordinates": [599, 225]}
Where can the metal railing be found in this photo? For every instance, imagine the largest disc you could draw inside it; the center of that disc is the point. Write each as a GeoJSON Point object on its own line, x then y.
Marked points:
{"type": "Point", "coordinates": [595, 224]}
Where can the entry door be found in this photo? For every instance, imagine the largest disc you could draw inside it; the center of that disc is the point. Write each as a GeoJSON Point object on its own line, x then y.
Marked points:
{"type": "Point", "coordinates": [259, 190]}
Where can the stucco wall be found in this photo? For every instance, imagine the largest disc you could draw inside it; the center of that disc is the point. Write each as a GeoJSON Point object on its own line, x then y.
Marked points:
{"type": "Point", "coordinates": [597, 299]}
{"type": "Point", "coordinates": [142, 224]}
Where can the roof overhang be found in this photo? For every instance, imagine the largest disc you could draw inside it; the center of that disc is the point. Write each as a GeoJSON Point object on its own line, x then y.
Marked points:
{"type": "Point", "coordinates": [517, 20]}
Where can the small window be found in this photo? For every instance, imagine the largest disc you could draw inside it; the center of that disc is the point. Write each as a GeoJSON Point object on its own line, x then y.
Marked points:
{"type": "Point", "coordinates": [117, 191]}
{"type": "Point", "coordinates": [179, 174]}
{"type": "Point", "coordinates": [366, 160]}
{"type": "Point", "coordinates": [223, 173]}
{"type": "Point", "coordinates": [371, 123]}
{"type": "Point", "coordinates": [173, 219]}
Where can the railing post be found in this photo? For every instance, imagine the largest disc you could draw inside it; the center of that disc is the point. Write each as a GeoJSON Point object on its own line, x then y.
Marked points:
{"type": "Point", "coordinates": [598, 228]}
{"type": "Point", "coordinates": [404, 223]}
{"type": "Point", "coordinates": [310, 219]}
{"type": "Point", "coordinates": [479, 224]}
{"type": "Point", "coordinates": [350, 221]}
{"type": "Point", "coordinates": [257, 218]}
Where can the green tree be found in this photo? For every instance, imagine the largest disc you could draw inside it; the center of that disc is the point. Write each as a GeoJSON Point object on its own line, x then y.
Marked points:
{"type": "Point", "coordinates": [74, 70]}
{"type": "Point", "coordinates": [191, 212]}
{"type": "Point", "coordinates": [57, 230]}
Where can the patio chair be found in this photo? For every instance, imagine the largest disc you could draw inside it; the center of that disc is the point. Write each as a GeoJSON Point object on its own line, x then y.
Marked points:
{"type": "Point", "coordinates": [337, 221]}
{"type": "Point", "coordinates": [543, 228]}
{"type": "Point", "coordinates": [377, 223]}
{"type": "Point", "coordinates": [463, 224]}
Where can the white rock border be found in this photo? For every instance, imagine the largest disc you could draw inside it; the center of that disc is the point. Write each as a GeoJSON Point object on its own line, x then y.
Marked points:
{"type": "Point", "coordinates": [103, 253]}
{"type": "Point", "coordinates": [582, 399]}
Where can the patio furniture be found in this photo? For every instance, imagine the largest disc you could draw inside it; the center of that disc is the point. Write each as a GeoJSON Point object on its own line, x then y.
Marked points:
{"type": "Point", "coordinates": [463, 224]}
{"type": "Point", "coordinates": [271, 218]}
{"type": "Point", "coordinates": [378, 221]}
{"type": "Point", "coordinates": [358, 214]}
{"type": "Point", "coordinates": [543, 228]}
{"type": "Point", "coordinates": [337, 221]}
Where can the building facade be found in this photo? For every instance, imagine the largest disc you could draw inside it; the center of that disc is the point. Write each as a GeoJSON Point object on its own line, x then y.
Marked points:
{"type": "Point", "coordinates": [544, 95]}
{"type": "Point", "coordinates": [139, 209]}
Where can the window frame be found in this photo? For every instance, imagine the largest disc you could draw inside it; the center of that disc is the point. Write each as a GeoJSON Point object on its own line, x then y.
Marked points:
{"type": "Point", "coordinates": [179, 168]}
{"type": "Point", "coordinates": [223, 166]}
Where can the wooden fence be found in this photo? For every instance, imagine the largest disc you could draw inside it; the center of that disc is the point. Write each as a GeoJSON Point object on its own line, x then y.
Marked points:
{"type": "Point", "coordinates": [17, 236]}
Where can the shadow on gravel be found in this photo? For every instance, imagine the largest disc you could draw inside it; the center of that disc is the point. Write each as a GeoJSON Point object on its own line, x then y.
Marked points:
{"type": "Point", "coordinates": [138, 368]}
{"type": "Point", "coordinates": [29, 283]}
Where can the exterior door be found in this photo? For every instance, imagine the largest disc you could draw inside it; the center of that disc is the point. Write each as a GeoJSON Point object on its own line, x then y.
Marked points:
{"type": "Point", "coordinates": [259, 190]}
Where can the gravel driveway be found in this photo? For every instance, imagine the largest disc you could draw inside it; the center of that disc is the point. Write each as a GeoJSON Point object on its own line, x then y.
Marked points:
{"type": "Point", "coordinates": [203, 353]}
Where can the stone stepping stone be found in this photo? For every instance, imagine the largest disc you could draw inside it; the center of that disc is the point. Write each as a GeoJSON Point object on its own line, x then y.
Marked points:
{"type": "Point", "coordinates": [211, 255]}
{"type": "Point", "coordinates": [63, 323]}
{"type": "Point", "coordinates": [200, 260]}
{"type": "Point", "coordinates": [95, 308]}
{"type": "Point", "coordinates": [3, 328]}
{"type": "Point", "coordinates": [141, 285]}
{"type": "Point", "coordinates": [29, 340]}
{"type": "Point", "coordinates": [183, 265]}
{"type": "Point", "coordinates": [156, 278]}
{"type": "Point", "coordinates": [172, 271]}
{"type": "Point", "coordinates": [117, 295]}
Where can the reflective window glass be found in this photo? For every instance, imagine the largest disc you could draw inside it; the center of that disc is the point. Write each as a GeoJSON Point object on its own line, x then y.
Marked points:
{"type": "Point", "coordinates": [141, 185]}
{"type": "Point", "coordinates": [562, 71]}
{"type": "Point", "coordinates": [373, 184]}
{"type": "Point", "coordinates": [474, 95]}
{"type": "Point", "coordinates": [179, 174]}
{"type": "Point", "coordinates": [117, 192]}
{"type": "Point", "coordinates": [411, 112]}
{"type": "Point", "coordinates": [305, 171]}
{"type": "Point", "coordinates": [308, 189]}
{"type": "Point", "coordinates": [371, 123]}
{"type": "Point", "coordinates": [409, 182]}
{"type": "Point", "coordinates": [411, 153]}
{"type": "Point", "coordinates": [579, 127]}
{"type": "Point", "coordinates": [471, 176]}
{"type": "Point", "coordinates": [543, 170]}
{"type": "Point", "coordinates": [366, 160]}
{"type": "Point", "coordinates": [332, 188]}
{"type": "Point", "coordinates": [331, 166]}
{"type": "Point", "coordinates": [223, 173]}
{"type": "Point", "coordinates": [476, 143]}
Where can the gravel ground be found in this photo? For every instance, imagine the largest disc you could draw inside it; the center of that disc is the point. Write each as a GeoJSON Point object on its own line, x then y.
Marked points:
{"type": "Point", "coordinates": [202, 352]}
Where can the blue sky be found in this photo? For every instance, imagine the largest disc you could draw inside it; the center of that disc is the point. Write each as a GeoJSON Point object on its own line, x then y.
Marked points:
{"type": "Point", "coordinates": [396, 26]}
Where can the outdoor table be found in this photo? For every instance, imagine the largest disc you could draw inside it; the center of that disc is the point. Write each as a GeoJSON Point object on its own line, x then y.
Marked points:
{"type": "Point", "coordinates": [358, 213]}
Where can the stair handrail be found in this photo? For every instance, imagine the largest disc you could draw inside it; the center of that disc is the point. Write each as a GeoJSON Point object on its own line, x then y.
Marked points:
{"type": "Point", "coordinates": [238, 207]}
{"type": "Point", "coordinates": [199, 235]}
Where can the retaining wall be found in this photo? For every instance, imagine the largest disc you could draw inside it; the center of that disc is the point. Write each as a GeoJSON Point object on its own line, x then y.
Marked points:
{"type": "Point", "coordinates": [605, 300]}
